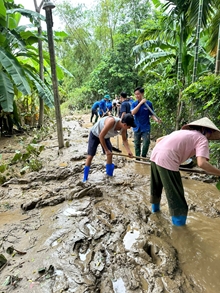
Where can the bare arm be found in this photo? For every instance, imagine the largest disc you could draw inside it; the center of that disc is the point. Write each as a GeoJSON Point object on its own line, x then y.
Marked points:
{"type": "Point", "coordinates": [160, 138]}
{"type": "Point", "coordinates": [109, 123]}
{"type": "Point", "coordinates": [136, 109]}
{"type": "Point", "coordinates": [156, 119]}
{"type": "Point", "coordinates": [205, 165]}
{"type": "Point", "coordinates": [122, 115]}
{"type": "Point", "coordinates": [125, 142]}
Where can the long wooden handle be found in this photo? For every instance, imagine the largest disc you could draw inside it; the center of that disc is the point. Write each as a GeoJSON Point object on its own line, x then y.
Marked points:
{"type": "Point", "coordinates": [123, 155]}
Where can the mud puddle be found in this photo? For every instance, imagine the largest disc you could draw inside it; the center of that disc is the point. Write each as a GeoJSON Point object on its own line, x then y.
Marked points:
{"type": "Point", "coordinates": [101, 236]}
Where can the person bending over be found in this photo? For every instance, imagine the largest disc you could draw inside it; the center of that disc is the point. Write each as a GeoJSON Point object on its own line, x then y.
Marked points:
{"type": "Point", "coordinates": [168, 154]}
{"type": "Point", "coordinates": [101, 132]}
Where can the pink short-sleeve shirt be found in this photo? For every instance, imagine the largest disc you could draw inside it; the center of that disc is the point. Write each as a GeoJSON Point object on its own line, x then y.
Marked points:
{"type": "Point", "coordinates": [177, 147]}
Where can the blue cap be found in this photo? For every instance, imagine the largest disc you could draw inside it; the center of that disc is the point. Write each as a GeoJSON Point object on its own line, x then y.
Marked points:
{"type": "Point", "coordinates": [107, 97]}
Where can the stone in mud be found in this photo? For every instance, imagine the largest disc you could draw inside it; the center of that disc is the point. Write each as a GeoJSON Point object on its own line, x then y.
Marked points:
{"type": "Point", "coordinates": [64, 173]}
{"type": "Point", "coordinates": [30, 205]}
{"type": "Point", "coordinates": [50, 202]}
{"type": "Point", "coordinates": [72, 192]}
{"type": "Point", "coordinates": [90, 191]}
{"type": "Point", "coordinates": [77, 158]}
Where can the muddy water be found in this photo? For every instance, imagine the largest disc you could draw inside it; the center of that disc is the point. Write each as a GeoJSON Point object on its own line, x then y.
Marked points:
{"type": "Point", "coordinates": [102, 237]}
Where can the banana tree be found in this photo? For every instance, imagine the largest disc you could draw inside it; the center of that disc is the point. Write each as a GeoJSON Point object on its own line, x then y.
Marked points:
{"type": "Point", "coordinates": [17, 46]}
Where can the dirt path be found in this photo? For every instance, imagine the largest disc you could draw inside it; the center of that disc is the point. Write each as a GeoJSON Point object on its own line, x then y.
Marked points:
{"type": "Point", "coordinates": [67, 236]}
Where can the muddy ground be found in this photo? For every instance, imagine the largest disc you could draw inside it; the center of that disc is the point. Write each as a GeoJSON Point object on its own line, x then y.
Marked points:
{"type": "Point", "coordinates": [61, 235]}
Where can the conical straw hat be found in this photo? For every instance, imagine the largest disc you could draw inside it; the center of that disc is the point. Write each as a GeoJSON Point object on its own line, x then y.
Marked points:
{"type": "Point", "coordinates": [205, 122]}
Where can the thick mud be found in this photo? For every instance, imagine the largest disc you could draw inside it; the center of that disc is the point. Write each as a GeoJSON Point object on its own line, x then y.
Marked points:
{"type": "Point", "coordinates": [61, 235]}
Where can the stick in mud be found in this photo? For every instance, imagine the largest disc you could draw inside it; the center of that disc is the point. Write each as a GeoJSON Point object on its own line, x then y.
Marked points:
{"type": "Point", "coordinates": [148, 163]}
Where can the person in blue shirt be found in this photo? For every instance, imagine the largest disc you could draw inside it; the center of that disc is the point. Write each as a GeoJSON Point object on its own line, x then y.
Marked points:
{"type": "Point", "coordinates": [109, 105]}
{"type": "Point", "coordinates": [125, 106]}
{"type": "Point", "coordinates": [142, 120]}
{"type": "Point", "coordinates": [95, 107]}
{"type": "Point", "coordinates": [130, 100]}
{"type": "Point", "coordinates": [103, 106]}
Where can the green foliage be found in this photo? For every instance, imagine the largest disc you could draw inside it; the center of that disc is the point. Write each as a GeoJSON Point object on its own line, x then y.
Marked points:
{"type": "Point", "coordinates": [215, 153]}
{"type": "Point", "coordinates": [29, 158]}
{"type": "Point", "coordinates": [80, 98]}
{"type": "Point", "coordinates": [163, 95]}
{"type": "Point", "coordinates": [203, 95]}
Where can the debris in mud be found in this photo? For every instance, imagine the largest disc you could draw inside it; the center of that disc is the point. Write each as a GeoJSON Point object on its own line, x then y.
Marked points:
{"type": "Point", "coordinates": [101, 236]}
{"type": "Point", "coordinates": [12, 250]}
{"type": "Point", "coordinates": [3, 260]}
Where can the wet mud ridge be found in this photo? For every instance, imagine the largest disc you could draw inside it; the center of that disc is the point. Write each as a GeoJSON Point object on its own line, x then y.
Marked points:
{"type": "Point", "coordinates": [61, 235]}
{"type": "Point", "coordinates": [102, 239]}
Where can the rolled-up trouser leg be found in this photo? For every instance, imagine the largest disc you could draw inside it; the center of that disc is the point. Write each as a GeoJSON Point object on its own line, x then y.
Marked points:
{"type": "Point", "coordinates": [172, 183]}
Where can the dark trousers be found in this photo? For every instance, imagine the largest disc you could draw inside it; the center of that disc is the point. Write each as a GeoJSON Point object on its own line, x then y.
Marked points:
{"type": "Point", "coordinates": [94, 113]}
{"type": "Point", "coordinates": [172, 183]}
{"type": "Point", "coordinates": [94, 142]}
{"type": "Point", "coordinates": [137, 143]}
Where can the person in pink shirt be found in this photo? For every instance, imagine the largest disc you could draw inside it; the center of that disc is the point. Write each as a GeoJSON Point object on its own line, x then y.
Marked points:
{"type": "Point", "coordinates": [168, 154]}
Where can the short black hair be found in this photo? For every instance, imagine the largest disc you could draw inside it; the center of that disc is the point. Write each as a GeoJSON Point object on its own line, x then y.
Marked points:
{"type": "Point", "coordinates": [123, 95]}
{"type": "Point", "coordinates": [140, 89]}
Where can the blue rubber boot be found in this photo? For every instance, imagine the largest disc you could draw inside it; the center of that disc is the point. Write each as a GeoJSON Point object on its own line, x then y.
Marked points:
{"type": "Point", "coordinates": [179, 220]}
{"type": "Point", "coordinates": [155, 207]}
{"type": "Point", "coordinates": [109, 169]}
{"type": "Point", "coordinates": [86, 173]}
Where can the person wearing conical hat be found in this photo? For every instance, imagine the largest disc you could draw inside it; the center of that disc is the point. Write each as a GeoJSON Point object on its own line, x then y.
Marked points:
{"type": "Point", "coordinates": [168, 154]}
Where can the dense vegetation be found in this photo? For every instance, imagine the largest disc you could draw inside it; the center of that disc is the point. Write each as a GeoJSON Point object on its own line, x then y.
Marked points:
{"type": "Point", "coordinates": [170, 48]}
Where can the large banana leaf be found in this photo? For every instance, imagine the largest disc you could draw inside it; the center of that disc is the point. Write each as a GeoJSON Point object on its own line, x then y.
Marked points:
{"type": "Point", "coordinates": [2, 9]}
{"type": "Point", "coordinates": [43, 91]}
{"type": "Point", "coordinates": [34, 17]}
{"type": "Point", "coordinates": [6, 92]}
{"type": "Point", "coordinates": [15, 71]}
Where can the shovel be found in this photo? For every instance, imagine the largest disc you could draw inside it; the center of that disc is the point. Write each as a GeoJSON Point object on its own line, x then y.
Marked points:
{"type": "Point", "coordinates": [136, 157]}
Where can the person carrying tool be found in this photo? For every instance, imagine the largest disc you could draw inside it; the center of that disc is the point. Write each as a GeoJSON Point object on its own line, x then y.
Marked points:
{"type": "Point", "coordinates": [168, 154]}
{"type": "Point", "coordinates": [101, 132]}
{"type": "Point", "coordinates": [141, 111]}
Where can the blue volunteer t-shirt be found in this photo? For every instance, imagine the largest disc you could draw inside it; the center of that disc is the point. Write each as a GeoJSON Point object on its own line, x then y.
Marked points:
{"type": "Point", "coordinates": [102, 107]}
{"type": "Point", "coordinates": [109, 105]}
{"type": "Point", "coordinates": [125, 107]}
{"type": "Point", "coordinates": [95, 106]}
{"type": "Point", "coordinates": [142, 117]}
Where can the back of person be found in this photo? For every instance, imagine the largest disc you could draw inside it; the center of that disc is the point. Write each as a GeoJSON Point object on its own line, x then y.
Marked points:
{"type": "Point", "coordinates": [97, 128]}
{"type": "Point", "coordinates": [125, 106]}
{"type": "Point", "coordinates": [177, 147]}
{"type": "Point", "coordinates": [95, 106]}
{"type": "Point", "coordinates": [102, 108]}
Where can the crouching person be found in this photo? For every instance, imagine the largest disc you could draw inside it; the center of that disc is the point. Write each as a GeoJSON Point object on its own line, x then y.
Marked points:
{"type": "Point", "coordinates": [101, 132]}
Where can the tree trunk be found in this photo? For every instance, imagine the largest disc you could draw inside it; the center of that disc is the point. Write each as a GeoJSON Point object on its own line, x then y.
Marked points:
{"type": "Point", "coordinates": [179, 78]}
{"type": "Point", "coordinates": [41, 66]}
{"type": "Point", "coordinates": [197, 41]}
{"type": "Point", "coordinates": [217, 62]}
